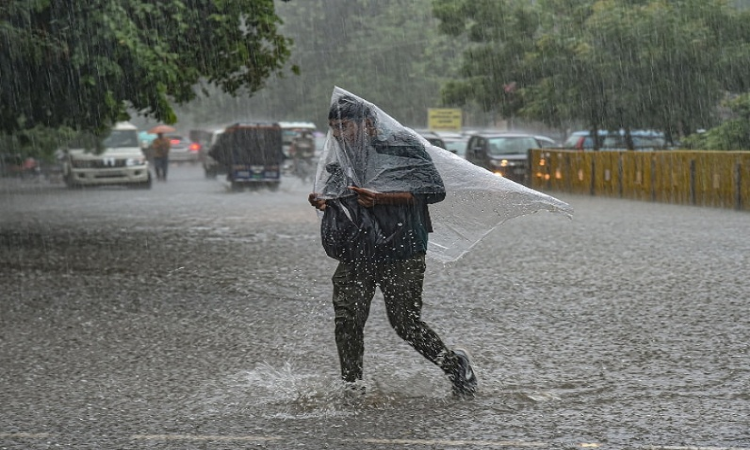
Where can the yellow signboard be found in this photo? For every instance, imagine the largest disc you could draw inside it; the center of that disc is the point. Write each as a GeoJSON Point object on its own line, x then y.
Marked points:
{"type": "Point", "coordinates": [444, 118]}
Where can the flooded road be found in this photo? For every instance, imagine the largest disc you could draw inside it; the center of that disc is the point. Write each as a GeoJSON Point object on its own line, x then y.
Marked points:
{"type": "Point", "coordinates": [188, 316]}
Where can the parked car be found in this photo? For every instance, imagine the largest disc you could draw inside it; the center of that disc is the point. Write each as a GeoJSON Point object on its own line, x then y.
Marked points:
{"type": "Point", "coordinates": [448, 134]}
{"type": "Point", "coordinates": [456, 145]}
{"type": "Point", "coordinates": [432, 137]}
{"type": "Point", "coordinates": [643, 140]}
{"type": "Point", "coordinates": [547, 142]}
{"type": "Point", "coordinates": [121, 162]}
{"type": "Point", "coordinates": [505, 154]}
{"type": "Point", "coordinates": [453, 141]}
{"type": "Point", "coordinates": [182, 149]}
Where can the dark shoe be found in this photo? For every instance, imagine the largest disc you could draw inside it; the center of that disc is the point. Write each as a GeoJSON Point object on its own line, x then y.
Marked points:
{"type": "Point", "coordinates": [463, 378]}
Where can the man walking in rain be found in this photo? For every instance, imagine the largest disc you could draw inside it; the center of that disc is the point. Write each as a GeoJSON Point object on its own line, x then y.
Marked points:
{"type": "Point", "coordinates": [160, 147]}
{"type": "Point", "coordinates": [374, 191]}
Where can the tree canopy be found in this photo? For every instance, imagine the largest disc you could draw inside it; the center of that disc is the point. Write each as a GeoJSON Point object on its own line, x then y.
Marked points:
{"type": "Point", "coordinates": [388, 51]}
{"type": "Point", "coordinates": [731, 134]}
{"type": "Point", "coordinates": [608, 63]}
{"type": "Point", "coordinates": [84, 64]}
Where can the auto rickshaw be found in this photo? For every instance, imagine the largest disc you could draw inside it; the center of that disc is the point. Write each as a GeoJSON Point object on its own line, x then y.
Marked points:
{"type": "Point", "coordinates": [251, 153]}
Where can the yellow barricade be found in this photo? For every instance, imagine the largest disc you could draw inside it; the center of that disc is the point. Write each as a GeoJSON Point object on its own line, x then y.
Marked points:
{"type": "Point", "coordinates": [703, 178]}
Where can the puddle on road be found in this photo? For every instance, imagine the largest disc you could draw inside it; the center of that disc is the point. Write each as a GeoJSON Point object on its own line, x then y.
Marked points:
{"type": "Point", "coordinates": [289, 392]}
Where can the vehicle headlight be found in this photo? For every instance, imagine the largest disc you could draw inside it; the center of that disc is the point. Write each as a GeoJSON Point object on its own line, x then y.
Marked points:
{"type": "Point", "coordinates": [508, 163]}
{"type": "Point", "coordinates": [135, 162]}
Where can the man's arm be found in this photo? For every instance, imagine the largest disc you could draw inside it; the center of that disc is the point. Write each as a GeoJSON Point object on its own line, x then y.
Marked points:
{"type": "Point", "coordinates": [394, 198]}
{"type": "Point", "coordinates": [369, 198]}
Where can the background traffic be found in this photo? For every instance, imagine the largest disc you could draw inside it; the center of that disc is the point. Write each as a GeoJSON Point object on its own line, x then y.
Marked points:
{"type": "Point", "coordinates": [124, 156]}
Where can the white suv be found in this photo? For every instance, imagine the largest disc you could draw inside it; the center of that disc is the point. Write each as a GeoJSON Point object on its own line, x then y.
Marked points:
{"type": "Point", "coordinates": [121, 163]}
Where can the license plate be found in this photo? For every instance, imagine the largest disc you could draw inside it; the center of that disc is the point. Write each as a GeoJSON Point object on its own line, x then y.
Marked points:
{"type": "Point", "coordinates": [109, 175]}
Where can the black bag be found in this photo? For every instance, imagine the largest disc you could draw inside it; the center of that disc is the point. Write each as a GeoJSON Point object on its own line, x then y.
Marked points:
{"type": "Point", "coordinates": [350, 232]}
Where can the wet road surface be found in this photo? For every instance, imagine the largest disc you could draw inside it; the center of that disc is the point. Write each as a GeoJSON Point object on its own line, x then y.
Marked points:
{"type": "Point", "coordinates": [188, 316]}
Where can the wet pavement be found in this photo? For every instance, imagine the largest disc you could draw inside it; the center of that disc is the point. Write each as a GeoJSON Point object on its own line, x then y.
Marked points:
{"type": "Point", "coordinates": [188, 316]}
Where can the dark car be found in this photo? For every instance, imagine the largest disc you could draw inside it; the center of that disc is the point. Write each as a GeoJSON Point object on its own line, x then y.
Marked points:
{"type": "Point", "coordinates": [456, 145]}
{"type": "Point", "coordinates": [432, 137]}
{"type": "Point", "coordinates": [455, 142]}
{"type": "Point", "coordinates": [643, 140]}
{"type": "Point", "coordinates": [505, 154]}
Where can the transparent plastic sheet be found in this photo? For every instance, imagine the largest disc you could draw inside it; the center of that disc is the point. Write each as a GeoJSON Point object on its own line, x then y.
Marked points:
{"type": "Point", "coordinates": [477, 201]}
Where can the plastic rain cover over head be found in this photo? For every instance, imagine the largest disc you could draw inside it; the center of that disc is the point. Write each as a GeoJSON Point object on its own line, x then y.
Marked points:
{"type": "Point", "coordinates": [367, 148]}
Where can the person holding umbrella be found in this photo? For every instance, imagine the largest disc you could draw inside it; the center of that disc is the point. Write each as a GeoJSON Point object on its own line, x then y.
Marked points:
{"type": "Point", "coordinates": [160, 150]}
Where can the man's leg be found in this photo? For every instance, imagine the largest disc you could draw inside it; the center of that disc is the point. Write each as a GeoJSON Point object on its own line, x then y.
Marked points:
{"type": "Point", "coordinates": [353, 289]}
{"type": "Point", "coordinates": [164, 169]}
{"type": "Point", "coordinates": [401, 283]}
{"type": "Point", "coordinates": [160, 168]}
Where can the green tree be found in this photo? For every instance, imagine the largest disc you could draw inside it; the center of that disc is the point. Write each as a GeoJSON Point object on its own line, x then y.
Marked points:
{"type": "Point", "coordinates": [388, 51]}
{"type": "Point", "coordinates": [85, 64]}
{"type": "Point", "coordinates": [607, 64]}
{"type": "Point", "coordinates": [732, 134]}
{"type": "Point", "coordinates": [501, 33]}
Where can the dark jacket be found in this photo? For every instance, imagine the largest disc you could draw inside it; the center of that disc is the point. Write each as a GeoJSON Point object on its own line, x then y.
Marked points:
{"type": "Point", "coordinates": [351, 232]}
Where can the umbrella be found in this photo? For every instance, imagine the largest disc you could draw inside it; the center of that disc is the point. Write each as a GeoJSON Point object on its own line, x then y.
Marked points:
{"type": "Point", "coordinates": [161, 129]}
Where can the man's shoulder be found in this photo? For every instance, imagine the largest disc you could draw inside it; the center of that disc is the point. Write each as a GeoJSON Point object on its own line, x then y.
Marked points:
{"type": "Point", "coordinates": [401, 138]}
{"type": "Point", "coordinates": [401, 144]}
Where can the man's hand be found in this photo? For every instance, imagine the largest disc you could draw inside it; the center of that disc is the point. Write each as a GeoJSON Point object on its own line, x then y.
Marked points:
{"type": "Point", "coordinates": [317, 202]}
{"type": "Point", "coordinates": [365, 197]}
{"type": "Point", "coordinates": [369, 198]}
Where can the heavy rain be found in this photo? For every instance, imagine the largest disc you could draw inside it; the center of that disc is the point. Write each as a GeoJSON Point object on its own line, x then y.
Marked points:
{"type": "Point", "coordinates": [178, 186]}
